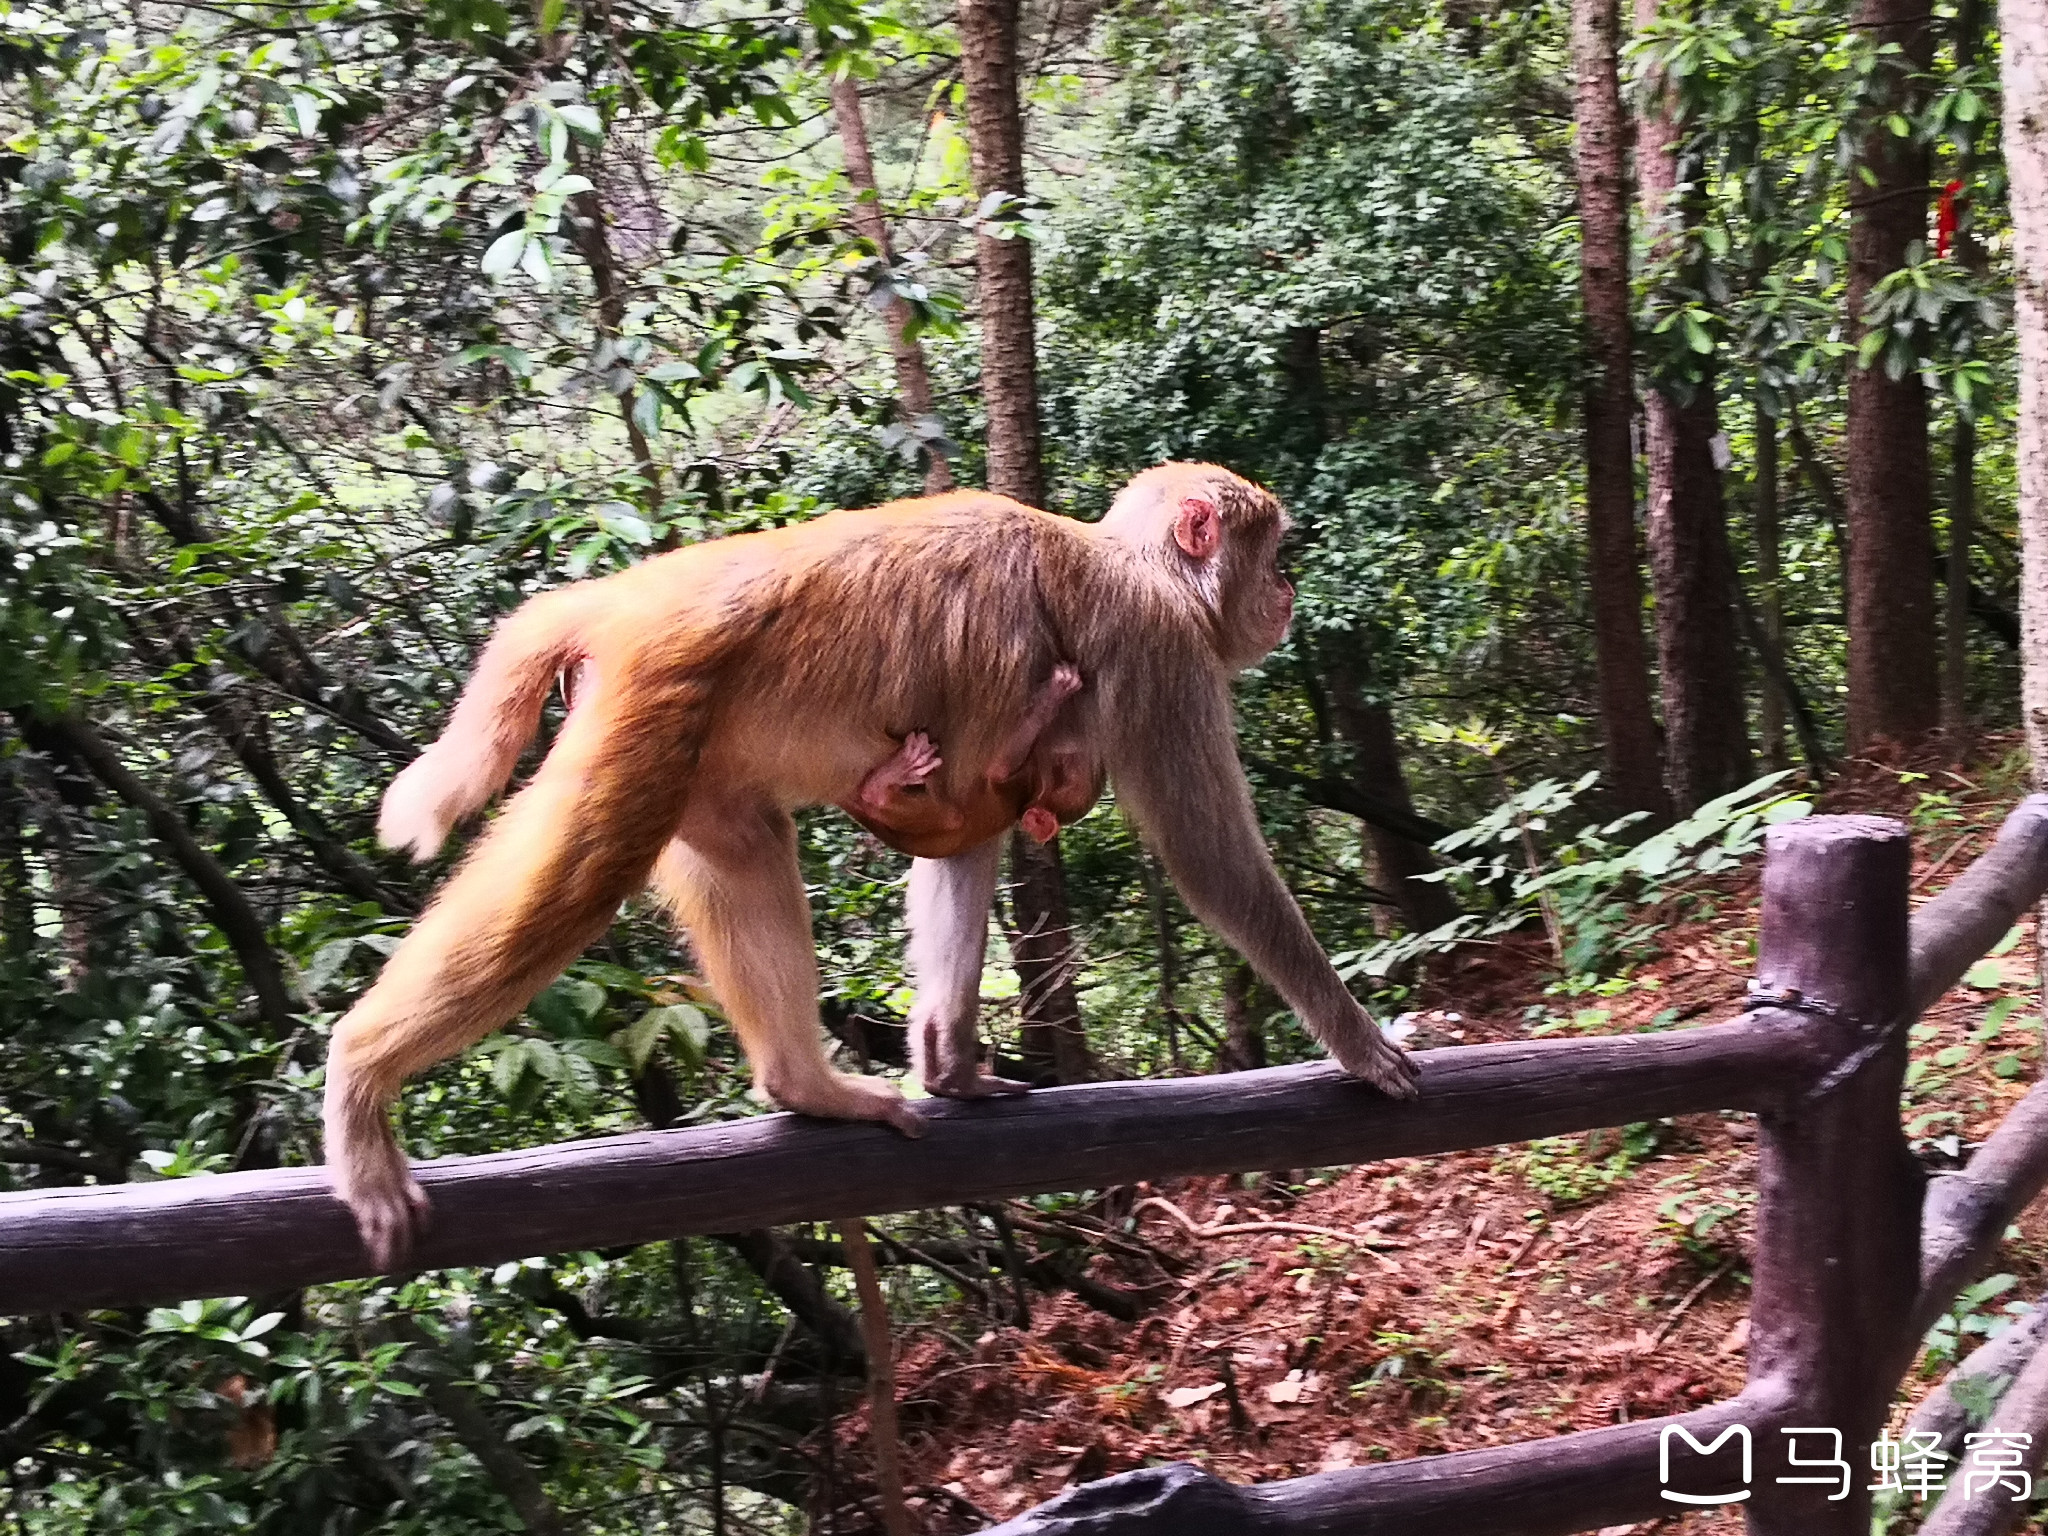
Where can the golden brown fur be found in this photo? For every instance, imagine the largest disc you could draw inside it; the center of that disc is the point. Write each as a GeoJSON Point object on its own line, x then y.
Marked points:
{"type": "Point", "coordinates": [722, 685]}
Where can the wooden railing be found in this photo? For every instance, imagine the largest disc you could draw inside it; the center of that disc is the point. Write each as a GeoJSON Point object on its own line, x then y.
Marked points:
{"type": "Point", "coordinates": [1848, 1270]}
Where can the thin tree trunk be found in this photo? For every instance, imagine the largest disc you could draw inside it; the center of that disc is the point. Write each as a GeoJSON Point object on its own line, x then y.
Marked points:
{"type": "Point", "coordinates": [1043, 938]}
{"type": "Point", "coordinates": [913, 379]}
{"type": "Point", "coordinates": [1894, 660]}
{"type": "Point", "coordinates": [1770, 600]}
{"type": "Point", "coordinates": [1376, 751]}
{"type": "Point", "coordinates": [1244, 1005]}
{"type": "Point", "coordinates": [1169, 955]}
{"type": "Point", "coordinates": [2024, 71]}
{"type": "Point", "coordinates": [1962, 474]}
{"type": "Point", "coordinates": [460, 1409]}
{"type": "Point", "coordinates": [1628, 729]}
{"type": "Point", "coordinates": [1054, 1046]}
{"type": "Point", "coordinates": [1706, 738]}
{"type": "Point", "coordinates": [593, 243]}
{"type": "Point", "coordinates": [1009, 348]}
{"type": "Point", "coordinates": [874, 1322]}
{"type": "Point", "coordinates": [1955, 640]}
{"type": "Point", "coordinates": [17, 883]}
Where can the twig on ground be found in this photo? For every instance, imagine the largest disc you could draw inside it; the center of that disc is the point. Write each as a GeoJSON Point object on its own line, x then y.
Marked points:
{"type": "Point", "coordinates": [1939, 864]}
{"type": "Point", "coordinates": [1678, 1312]}
{"type": "Point", "coordinates": [1357, 1240]}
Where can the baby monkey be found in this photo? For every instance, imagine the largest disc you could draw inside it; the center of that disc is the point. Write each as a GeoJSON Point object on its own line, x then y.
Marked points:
{"type": "Point", "coordinates": [1042, 777]}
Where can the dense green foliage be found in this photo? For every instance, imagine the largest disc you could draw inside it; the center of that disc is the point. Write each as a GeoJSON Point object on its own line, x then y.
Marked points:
{"type": "Point", "coordinates": [328, 332]}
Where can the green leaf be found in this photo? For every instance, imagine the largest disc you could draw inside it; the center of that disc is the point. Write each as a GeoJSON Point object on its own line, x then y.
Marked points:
{"type": "Point", "coordinates": [1995, 1017]}
{"type": "Point", "coordinates": [2009, 943]}
{"type": "Point", "coordinates": [647, 412]}
{"type": "Point", "coordinates": [508, 1066]}
{"type": "Point", "coordinates": [504, 253]}
{"type": "Point", "coordinates": [683, 1023]}
{"type": "Point", "coordinates": [2008, 1066]}
{"type": "Point", "coordinates": [1985, 975]}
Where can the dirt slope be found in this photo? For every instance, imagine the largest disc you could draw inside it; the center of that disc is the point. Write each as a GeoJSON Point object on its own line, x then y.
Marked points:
{"type": "Point", "coordinates": [1508, 1294]}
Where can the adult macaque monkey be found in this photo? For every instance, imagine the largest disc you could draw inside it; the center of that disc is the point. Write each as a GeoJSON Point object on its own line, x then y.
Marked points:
{"type": "Point", "coordinates": [725, 683]}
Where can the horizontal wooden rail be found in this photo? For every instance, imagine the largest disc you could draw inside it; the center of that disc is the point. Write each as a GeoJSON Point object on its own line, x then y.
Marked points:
{"type": "Point", "coordinates": [1966, 1213]}
{"type": "Point", "coordinates": [1952, 932]}
{"type": "Point", "coordinates": [264, 1232]}
{"type": "Point", "coordinates": [1579, 1482]}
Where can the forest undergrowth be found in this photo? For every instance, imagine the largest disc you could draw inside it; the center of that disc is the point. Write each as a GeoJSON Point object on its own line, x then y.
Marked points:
{"type": "Point", "coordinates": [1330, 1318]}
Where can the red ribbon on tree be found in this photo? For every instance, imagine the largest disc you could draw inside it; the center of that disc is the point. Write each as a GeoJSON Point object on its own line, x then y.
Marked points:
{"type": "Point", "coordinates": [1945, 218]}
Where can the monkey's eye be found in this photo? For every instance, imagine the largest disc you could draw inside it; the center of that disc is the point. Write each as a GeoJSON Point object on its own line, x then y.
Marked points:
{"type": "Point", "coordinates": [1288, 554]}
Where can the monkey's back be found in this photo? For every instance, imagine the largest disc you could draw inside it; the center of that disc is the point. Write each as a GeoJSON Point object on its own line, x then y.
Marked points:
{"type": "Point", "coordinates": [835, 638]}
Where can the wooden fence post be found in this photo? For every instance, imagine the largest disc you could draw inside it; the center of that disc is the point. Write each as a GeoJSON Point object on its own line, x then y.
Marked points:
{"type": "Point", "coordinates": [1838, 1192]}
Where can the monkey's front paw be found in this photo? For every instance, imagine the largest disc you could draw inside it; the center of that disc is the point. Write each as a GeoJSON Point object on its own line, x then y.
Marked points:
{"type": "Point", "coordinates": [974, 1085]}
{"type": "Point", "coordinates": [1380, 1062]}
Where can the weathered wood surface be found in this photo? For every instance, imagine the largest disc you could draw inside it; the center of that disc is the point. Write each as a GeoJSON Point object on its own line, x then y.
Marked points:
{"type": "Point", "coordinates": [1580, 1482]}
{"type": "Point", "coordinates": [251, 1233]}
{"type": "Point", "coordinates": [1838, 1191]}
{"type": "Point", "coordinates": [1952, 932]}
{"type": "Point", "coordinates": [1977, 1504]}
{"type": "Point", "coordinates": [1990, 1369]}
{"type": "Point", "coordinates": [1967, 1212]}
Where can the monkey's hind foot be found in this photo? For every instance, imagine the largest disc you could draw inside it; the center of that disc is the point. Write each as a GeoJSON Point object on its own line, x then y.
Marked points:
{"type": "Point", "coordinates": [846, 1096]}
{"type": "Point", "coordinates": [391, 1211]}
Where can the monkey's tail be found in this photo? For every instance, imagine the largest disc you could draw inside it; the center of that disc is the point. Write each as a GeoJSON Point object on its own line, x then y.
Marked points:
{"type": "Point", "coordinates": [496, 717]}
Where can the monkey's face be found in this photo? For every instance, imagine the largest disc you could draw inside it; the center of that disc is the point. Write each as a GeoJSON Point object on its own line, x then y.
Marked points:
{"type": "Point", "coordinates": [1258, 601]}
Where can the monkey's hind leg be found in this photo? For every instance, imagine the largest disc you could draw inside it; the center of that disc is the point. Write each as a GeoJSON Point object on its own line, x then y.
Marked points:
{"type": "Point", "coordinates": [732, 877]}
{"type": "Point", "coordinates": [542, 884]}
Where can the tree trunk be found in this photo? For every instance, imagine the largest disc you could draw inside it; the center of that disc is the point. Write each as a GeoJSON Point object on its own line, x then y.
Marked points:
{"type": "Point", "coordinates": [1054, 1047]}
{"type": "Point", "coordinates": [1955, 639]}
{"type": "Point", "coordinates": [1245, 1005]}
{"type": "Point", "coordinates": [1376, 756]}
{"type": "Point", "coordinates": [1009, 348]}
{"type": "Point", "coordinates": [1893, 656]}
{"type": "Point", "coordinates": [913, 379]}
{"type": "Point", "coordinates": [1628, 730]}
{"type": "Point", "coordinates": [1962, 474]}
{"type": "Point", "coordinates": [1042, 941]}
{"type": "Point", "coordinates": [17, 882]}
{"type": "Point", "coordinates": [594, 244]}
{"type": "Point", "coordinates": [1706, 738]}
{"type": "Point", "coordinates": [1770, 600]}
{"type": "Point", "coordinates": [2024, 71]}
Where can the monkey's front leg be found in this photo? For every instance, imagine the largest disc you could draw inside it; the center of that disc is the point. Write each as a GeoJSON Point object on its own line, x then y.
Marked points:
{"type": "Point", "coordinates": [947, 909]}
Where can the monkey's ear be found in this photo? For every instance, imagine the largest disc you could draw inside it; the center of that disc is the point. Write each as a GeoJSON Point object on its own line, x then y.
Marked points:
{"type": "Point", "coordinates": [1197, 527]}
